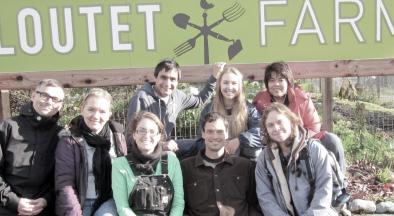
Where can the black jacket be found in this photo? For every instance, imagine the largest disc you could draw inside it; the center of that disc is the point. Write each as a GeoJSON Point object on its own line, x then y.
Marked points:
{"type": "Point", "coordinates": [27, 157]}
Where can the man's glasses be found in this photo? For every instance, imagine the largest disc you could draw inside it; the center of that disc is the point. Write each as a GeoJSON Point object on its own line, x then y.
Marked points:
{"type": "Point", "coordinates": [144, 131]}
{"type": "Point", "coordinates": [46, 97]}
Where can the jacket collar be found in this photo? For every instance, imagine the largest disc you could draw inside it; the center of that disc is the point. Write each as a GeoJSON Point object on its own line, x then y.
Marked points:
{"type": "Point", "coordinates": [298, 144]}
{"type": "Point", "coordinates": [149, 88]}
{"type": "Point", "coordinates": [37, 120]}
{"type": "Point", "coordinates": [199, 160]}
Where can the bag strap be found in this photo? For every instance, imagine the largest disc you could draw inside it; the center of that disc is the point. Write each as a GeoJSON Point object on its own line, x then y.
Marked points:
{"type": "Point", "coordinates": [306, 157]}
{"type": "Point", "coordinates": [164, 164]}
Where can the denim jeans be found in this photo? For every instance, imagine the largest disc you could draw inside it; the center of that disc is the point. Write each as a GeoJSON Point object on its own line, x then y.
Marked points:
{"type": "Point", "coordinates": [108, 208]}
{"type": "Point", "coordinates": [333, 143]}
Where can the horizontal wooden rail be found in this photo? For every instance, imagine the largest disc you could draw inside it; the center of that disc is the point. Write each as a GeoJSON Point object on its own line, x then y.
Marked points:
{"type": "Point", "coordinates": [195, 74]}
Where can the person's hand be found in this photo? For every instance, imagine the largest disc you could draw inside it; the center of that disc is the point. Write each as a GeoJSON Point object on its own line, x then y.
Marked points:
{"type": "Point", "coordinates": [232, 146]}
{"type": "Point", "coordinates": [170, 145]}
{"type": "Point", "coordinates": [217, 68]}
{"type": "Point", "coordinates": [31, 207]}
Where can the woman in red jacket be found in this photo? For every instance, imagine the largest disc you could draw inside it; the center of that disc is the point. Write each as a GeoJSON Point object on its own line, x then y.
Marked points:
{"type": "Point", "coordinates": [279, 82]}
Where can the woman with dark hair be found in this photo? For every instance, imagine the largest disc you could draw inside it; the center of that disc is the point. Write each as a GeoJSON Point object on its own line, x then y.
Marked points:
{"type": "Point", "coordinates": [279, 82]}
{"type": "Point", "coordinates": [283, 187]}
{"type": "Point", "coordinates": [243, 118]}
{"type": "Point", "coordinates": [83, 158]}
{"type": "Point", "coordinates": [147, 181]}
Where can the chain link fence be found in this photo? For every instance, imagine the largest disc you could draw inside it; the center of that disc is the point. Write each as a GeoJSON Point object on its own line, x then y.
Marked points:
{"type": "Point", "coordinates": [377, 90]}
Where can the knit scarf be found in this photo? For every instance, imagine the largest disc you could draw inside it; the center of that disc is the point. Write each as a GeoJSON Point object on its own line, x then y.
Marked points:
{"type": "Point", "coordinates": [101, 158]}
{"type": "Point", "coordinates": [142, 164]}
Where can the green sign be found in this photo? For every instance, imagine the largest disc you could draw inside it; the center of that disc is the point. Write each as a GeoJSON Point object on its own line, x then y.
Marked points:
{"type": "Point", "coordinates": [41, 35]}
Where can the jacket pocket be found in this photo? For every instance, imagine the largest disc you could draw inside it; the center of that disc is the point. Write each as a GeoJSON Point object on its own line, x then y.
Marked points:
{"type": "Point", "coordinates": [19, 157]}
{"type": "Point", "coordinates": [235, 186]}
{"type": "Point", "coordinates": [197, 193]}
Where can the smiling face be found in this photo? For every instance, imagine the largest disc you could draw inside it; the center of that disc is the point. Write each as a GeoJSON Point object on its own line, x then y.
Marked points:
{"type": "Point", "coordinates": [230, 85]}
{"type": "Point", "coordinates": [146, 136]}
{"type": "Point", "coordinates": [278, 126]}
{"type": "Point", "coordinates": [277, 86]}
{"type": "Point", "coordinates": [96, 112]}
{"type": "Point", "coordinates": [166, 82]}
{"type": "Point", "coordinates": [47, 100]}
{"type": "Point", "coordinates": [215, 135]}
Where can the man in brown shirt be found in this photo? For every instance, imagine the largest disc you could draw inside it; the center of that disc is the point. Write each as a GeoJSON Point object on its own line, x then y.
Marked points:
{"type": "Point", "coordinates": [216, 183]}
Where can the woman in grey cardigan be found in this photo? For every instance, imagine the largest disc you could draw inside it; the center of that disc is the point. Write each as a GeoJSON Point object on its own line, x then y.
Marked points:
{"type": "Point", "coordinates": [283, 187]}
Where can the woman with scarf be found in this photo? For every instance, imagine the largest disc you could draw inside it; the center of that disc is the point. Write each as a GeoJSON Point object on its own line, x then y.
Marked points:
{"type": "Point", "coordinates": [83, 158]}
{"type": "Point", "coordinates": [147, 181]}
{"type": "Point", "coordinates": [243, 118]}
{"type": "Point", "coordinates": [283, 186]}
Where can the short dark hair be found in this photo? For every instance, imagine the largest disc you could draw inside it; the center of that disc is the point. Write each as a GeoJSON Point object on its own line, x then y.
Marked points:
{"type": "Point", "coordinates": [212, 117]}
{"type": "Point", "coordinates": [167, 65]}
{"type": "Point", "coordinates": [281, 69]}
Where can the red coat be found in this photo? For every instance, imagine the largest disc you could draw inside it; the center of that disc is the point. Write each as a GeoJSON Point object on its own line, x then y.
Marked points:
{"type": "Point", "coordinates": [300, 103]}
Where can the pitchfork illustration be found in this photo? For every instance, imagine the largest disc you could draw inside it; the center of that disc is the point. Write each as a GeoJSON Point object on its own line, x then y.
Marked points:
{"type": "Point", "coordinates": [230, 14]}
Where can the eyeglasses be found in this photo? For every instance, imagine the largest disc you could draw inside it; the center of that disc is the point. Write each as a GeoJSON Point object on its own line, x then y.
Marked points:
{"type": "Point", "coordinates": [46, 97]}
{"type": "Point", "coordinates": [144, 131]}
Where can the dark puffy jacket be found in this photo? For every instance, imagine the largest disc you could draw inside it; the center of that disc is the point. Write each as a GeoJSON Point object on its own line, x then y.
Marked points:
{"type": "Point", "coordinates": [71, 173]}
{"type": "Point", "coordinates": [27, 159]}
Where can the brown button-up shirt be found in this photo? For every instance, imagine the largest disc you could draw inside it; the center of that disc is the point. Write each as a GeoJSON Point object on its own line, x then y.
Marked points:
{"type": "Point", "coordinates": [227, 189]}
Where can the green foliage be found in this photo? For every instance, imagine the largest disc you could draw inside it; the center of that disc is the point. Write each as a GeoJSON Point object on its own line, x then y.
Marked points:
{"type": "Point", "coordinates": [71, 105]}
{"type": "Point", "coordinates": [307, 86]}
{"type": "Point", "coordinates": [384, 175]}
{"type": "Point", "coordinates": [251, 88]}
{"type": "Point", "coordinates": [361, 144]}
{"type": "Point", "coordinates": [368, 96]}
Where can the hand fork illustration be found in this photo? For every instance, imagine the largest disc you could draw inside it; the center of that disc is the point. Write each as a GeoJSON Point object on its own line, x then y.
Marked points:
{"type": "Point", "coordinates": [230, 14]}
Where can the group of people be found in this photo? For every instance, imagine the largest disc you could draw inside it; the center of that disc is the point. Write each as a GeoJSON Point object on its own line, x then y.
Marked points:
{"type": "Point", "coordinates": [246, 161]}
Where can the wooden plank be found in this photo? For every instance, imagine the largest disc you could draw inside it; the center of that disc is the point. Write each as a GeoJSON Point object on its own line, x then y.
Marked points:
{"type": "Point", "coordinates": [196, 74]}
{"type": "Point", "coordinates": [327, 105]}
{"type": "Point", "coordinates": [5, 109]}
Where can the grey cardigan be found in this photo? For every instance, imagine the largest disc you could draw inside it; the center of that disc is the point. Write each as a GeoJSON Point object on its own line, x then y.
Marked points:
{"type": "Point", "coordinates": [146, 100]}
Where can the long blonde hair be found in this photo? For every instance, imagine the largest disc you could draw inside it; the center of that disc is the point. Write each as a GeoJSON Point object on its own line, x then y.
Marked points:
{"type": "Point", "coordinates": [238, 120]}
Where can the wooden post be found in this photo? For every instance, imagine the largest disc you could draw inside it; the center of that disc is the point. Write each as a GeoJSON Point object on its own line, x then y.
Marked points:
{"type": "Point", "coordinates": [378, 83]}
{"type": "Point", "coordinates": [327, 105]}
{"type": "Point", "coordinates": [5, 111]}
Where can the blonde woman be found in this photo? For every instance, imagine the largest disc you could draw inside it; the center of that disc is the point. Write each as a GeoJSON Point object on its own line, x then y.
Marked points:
{"type": "Point", "coordinates": [243, 118]}
{"type": "Point", "coordinates": [83, 159]}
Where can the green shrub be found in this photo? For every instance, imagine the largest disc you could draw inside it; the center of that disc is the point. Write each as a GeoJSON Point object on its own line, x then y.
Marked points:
{"type": "Point", "coordinates": [384, 175]}
{"type": "Point", "coordinates": [361, 144]}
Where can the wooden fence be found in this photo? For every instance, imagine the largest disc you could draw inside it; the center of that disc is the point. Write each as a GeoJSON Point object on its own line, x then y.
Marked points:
{"type": "Point", "coordinates": [196, 74]}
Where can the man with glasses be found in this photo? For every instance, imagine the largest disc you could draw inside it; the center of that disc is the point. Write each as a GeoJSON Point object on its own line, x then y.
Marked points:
{"type": "Point", "coordinates": [216, 183]}
{"type": "Point", "coordinates": [27, 155]}
{"type": "Point", "coordinates": [164, 99]}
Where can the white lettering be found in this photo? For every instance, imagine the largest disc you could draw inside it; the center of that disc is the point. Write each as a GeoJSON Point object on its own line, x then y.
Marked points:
{"type": "Point", "coordinates": [381, 9]}
{"type": "Point", "coordinates": [23, 40]}
{"type": "Point", "coordinates": [90, 13]}
{"type": "Point", "coordinates": [69, 38]}
{"type": "Point", "coordinates": [316, 30]}
{"type": "Point", "coordinates": [263, 21]}
{"type": "Point", "coordinates": [149, 23]}
{"type": "Point", "coordinates": [117, 28]}
{"type": "Point", "coordinates": [6, 50]}
{"type": "Point", "coordinates": [351, 21]}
